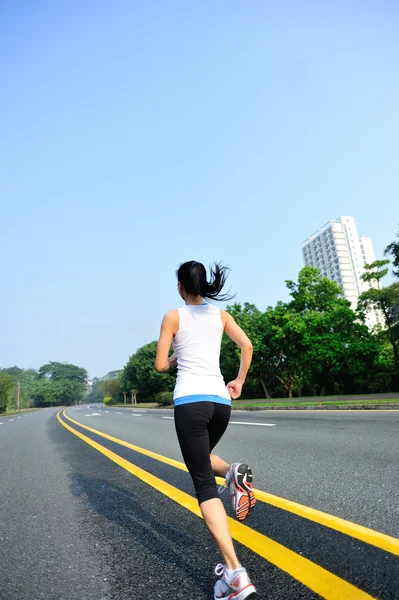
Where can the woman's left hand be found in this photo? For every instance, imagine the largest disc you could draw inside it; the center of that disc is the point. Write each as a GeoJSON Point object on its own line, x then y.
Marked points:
{"type": "Point", "coordinates": [234, 388]}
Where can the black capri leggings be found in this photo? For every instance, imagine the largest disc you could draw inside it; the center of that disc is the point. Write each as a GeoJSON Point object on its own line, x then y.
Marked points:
{"type": "Point", "coordinates": [199, 427]}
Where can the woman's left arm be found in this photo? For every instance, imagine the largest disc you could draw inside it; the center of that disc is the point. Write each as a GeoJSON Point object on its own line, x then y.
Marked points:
{"type": "Point", "coordinates": [169, 328]}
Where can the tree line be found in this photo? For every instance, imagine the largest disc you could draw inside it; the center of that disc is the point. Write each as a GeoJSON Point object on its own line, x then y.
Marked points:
{"type": "Point", "coordinates": [54, 384]}
{"type": "Point", "coordinates": [313, 344]}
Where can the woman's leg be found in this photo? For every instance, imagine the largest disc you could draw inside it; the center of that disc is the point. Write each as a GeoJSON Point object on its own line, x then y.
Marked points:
{"type": "Point", "coordinates": [217, 427]}
{"type": "Point", "coordinates": [240, 475]}
{"type": "Point", "coordinates": [192, 422]}
{"type": "Point", "coordinates": [219, 466]}
{"type": "Point", "coordinates": [216, 520]}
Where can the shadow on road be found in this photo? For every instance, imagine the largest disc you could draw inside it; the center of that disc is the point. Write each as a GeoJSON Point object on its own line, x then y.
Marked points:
{"type": "Point", "coordinates": [124, 508]}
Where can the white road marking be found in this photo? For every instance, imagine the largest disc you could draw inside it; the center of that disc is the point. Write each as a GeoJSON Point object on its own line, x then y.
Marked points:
{"type": "Point", "coordinates": [1, 423]}
{"type": "Point", "coordinates": [11, 420]}
{"type": "Point", "coordinates": [94, 415]}
{"type": "Point", "coordinates": [118, 413]}
{"type": "Point", "coordinates": [107, 411]}
{"type": "Point", "coordinates": [136, 415]}
{"type": "Point", "coordinates": [18, 417]}
{"type": "Point", "coordinates": [259, 424]}
{"type": "Point", "coordinates": [168, 417]}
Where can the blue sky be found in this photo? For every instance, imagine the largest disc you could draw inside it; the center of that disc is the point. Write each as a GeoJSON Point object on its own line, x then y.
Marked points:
{"type": "Point", "coordinates": [138, 135]}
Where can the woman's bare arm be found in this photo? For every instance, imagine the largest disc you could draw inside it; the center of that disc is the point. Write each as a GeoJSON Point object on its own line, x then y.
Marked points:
{"type": "Point", "coordinates": [238, 336]}
{"type": "Point", "coordinates": [169, 328]}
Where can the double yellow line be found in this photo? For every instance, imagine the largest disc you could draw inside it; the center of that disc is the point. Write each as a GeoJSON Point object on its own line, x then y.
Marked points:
{"type": "Point", "coordinates": [318, 579]}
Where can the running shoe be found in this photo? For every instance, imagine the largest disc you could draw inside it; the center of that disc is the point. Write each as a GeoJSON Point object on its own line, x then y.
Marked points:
{"type": "Point", "coordinates": [239, 588]}
{"type": "Point", "coordinates": [239, 481]}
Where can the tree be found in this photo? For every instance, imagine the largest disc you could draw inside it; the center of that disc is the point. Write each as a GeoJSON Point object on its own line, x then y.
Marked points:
{"type": "Point", "coordinates": [127, 384]}
{"type": "Point", "coordinates": [66, 380]}
{"type": "Point", "coordinates": [333, 336]}
{"type": "Point", "coordinates": [314, 292]}
{"type": "Point", "coordinates": [139, 374]}
{"type": "Point", "coordinates": [341, 352]}
{"type": "Point", "coordinates": [257, 326]}
{"type": "Point", "coordinates": [96, 394]}
{"type": "Point", "coordinates": [393, 249]}
{"type": "Point", "coordinates": [5, 386]}
{"type": "Point", "coordinates": [113, 374]}
{"type": "Point", "coordinates": [386, 302]}
{"type": "Point", "coordinates": [47, 393]}
{"type": "Point", "coordinates": [313, 344]}
{"type": "Point", "coordinates": [111, 388]}
{"type": "Point", "coordinates": [57, 371]}
{"type": "Point", "coordinates": [287, 346]}
{"type": "Point", "coordinates": [384, 369]}
{"type": "Point", "coordinates": [26, 379]}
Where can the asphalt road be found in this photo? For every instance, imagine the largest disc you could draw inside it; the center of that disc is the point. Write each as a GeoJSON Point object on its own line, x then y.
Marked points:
{"type": "Point", "coordinates": [76, 526]}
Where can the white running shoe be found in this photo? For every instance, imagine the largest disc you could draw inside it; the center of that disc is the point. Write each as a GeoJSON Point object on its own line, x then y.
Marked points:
{"type": "Point", "coordinates": [239, 588]}
{"type": "Point", "coordinates": [239, 480]}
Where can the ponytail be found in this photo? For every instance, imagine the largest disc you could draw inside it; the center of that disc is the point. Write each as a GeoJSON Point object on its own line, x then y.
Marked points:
{"type": "Point", "coordinates": [192, 276]}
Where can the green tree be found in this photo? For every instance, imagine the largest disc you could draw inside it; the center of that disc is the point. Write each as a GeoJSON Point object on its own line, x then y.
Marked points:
{"type": "Point", "coordinates": [57, 371]}
{"type": "Point", "coordinates": [313, 292]}
{"type": "Point", "coordinates": [5, 386]}
{"type": "Point", "coordinates": [95, 394]}
{"type": "Point", "coordinates": [26, 379]}
{"type": "Point", "coordinates": [380, 380]}
{"type": "Point", "coordinates": [139, 374]}
{"type": "Point", "coordinates": [386, 302]}
{"type": "Point", "coordinates": [393, 249]}
{"type": "Point", "coordinates": [288, 347]}
{"type": "Point", "coordinates": [334, 341]}
{"type": "Point", "coordinates": [111, 388]}
{"type": "Point", "coordinates": [46, 393]}
{"type": "Point", "coordinates": [314, 343]}
{"type": "Point", "coordinates": [127, 385]}
{"type": "Point", "coordinates": [257, 326]}
{"type": "Point", "coordinates": [66, 380]}
{"type": "Point", "coordinates": [113, 374]}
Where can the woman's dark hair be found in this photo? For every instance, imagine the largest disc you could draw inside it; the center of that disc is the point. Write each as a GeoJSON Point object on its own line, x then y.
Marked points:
{"type": "Point", "coordinates": [192, 276]}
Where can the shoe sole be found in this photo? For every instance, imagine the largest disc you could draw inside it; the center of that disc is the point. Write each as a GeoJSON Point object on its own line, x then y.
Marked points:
{"type": "Point", "coordinates": [246, 594]}
{"type": "Point", "coordinates": [243, 480]}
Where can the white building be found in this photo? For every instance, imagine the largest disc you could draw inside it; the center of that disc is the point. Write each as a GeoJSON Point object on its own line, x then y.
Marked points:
{"type": "Point", "coordinates": [340, 254]}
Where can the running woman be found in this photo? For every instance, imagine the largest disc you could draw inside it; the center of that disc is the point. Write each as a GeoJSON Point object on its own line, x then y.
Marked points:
{"type": "Point", "coordinates": [202, 407]}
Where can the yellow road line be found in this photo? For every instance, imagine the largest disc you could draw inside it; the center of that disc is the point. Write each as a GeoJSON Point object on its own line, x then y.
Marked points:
{"type": "Point", "coordinates": [159, 457]}
{"type": "Point", "coordinates": [369, 536]}
{"type": "Point", "coordinates": [321, 581]}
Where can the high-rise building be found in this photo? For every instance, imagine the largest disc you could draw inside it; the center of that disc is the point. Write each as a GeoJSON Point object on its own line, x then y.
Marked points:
{"type": "Point", "coordinates": [340, 254]}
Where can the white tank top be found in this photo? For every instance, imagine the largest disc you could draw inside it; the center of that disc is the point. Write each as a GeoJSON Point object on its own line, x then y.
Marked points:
{"type": "Point", "coordinates": [197, 346]}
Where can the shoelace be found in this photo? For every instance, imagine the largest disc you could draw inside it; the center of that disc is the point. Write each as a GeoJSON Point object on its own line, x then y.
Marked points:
{"type": "Point", "coordinates": [224, 486]}
{"type": "Point", "coordinates": [219, 570]}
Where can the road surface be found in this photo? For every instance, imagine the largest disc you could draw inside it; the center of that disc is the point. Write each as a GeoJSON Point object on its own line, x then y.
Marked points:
{"type": "Point", "coordinates": [95, 504]}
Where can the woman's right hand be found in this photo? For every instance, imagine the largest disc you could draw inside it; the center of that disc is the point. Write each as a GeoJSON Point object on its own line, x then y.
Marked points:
{"type": "Point", "coordinates": [172, 360]}
{"type": "Point", "coordinates": [234, 388]}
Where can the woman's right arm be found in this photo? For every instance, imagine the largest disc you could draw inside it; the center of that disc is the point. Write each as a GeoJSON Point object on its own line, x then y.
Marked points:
{"type": "Point", "coordinates": [238, 336]}
{"type": "Point", "coordinates": [169, 328]}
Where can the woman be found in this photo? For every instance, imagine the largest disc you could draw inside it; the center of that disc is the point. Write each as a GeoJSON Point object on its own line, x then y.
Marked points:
{"type": "Point", "coordinates": [203, 406]}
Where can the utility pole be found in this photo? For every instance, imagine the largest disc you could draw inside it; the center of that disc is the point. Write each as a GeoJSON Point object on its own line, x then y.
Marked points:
{"type": "Point", "coordinates": [18, 393]}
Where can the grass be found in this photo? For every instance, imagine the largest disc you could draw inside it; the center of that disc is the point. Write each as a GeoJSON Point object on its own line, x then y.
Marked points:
{"type": "Point", "coordinates": [256, 403]}
{"type": "Point", "coordinates": [16, 412]}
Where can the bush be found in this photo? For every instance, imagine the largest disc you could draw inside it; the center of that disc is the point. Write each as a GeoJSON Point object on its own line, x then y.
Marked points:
{"type": "Point", "coordinates": [164, 398]}
{"type": "Point", "coordinates": [107, 400]}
